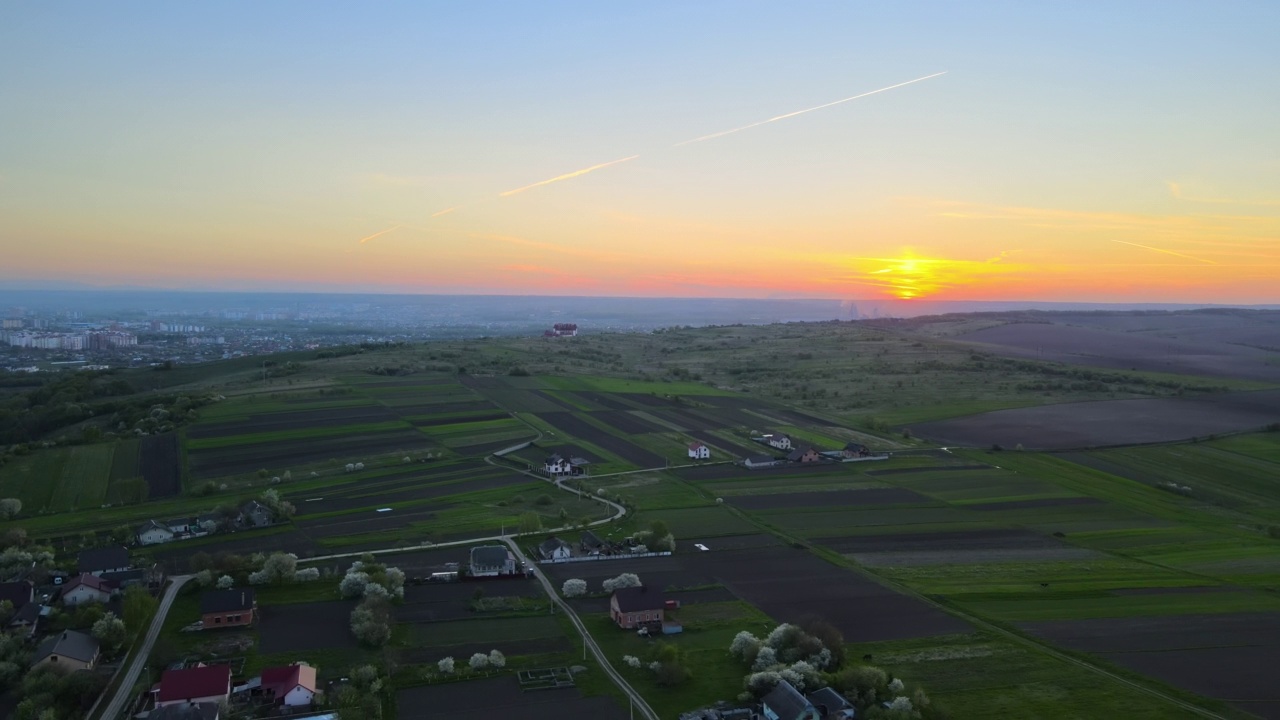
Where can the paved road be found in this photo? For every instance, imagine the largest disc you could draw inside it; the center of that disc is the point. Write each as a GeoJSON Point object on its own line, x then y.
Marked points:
{"type": "Point", "coordinates": [124, 692]}
{"type": "Point", "coordinates": [637, 699]}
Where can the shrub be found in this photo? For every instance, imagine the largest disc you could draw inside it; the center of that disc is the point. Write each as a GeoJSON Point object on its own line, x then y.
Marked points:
{"type": "Point", "coordinates": [110, 631]}
{"type": "Point", "coordinates": [226, 582]}
{"type": "Point", "coordinates": [497, 659]}
{"type": "Point", "coordinates": [574, 587]}
{"type": "Point", "coordinates": [625, 580]}
{"type": "Point", "coordinates": [479, 661]}
{"type": "Point", "coordinates": [543, 499]}
{"type": "Point", "coordinates": [9, 508]}
{"type": "Point", "coordinates": [307, 574]}
{"type": "Point", "coordinates": [766, 658]}
{"type": "Point", "coordinates": [446, 665]}
{"type": "Point", "coordinates": [896, 685]}
{"type": "Point", "coordinates": [745, 646]}
{"type": "Point", "coordinates": [371, 621]}
{"type": "Point", "coordinates": [631, 661]}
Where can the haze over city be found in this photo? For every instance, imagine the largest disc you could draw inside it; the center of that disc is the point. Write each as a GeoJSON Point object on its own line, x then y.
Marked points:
{"type": "Point", "coordinates": [831, 150]}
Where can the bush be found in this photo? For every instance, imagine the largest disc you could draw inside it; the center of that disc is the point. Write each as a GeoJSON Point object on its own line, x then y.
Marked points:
{"type": "Point", "coordinates": [745, 646]}
{"type": "Point", "coordinates": [9, 508]}
{"type": "Point", "coordinates": [497, 659]}
{"type": "Point", "coordinates": [371, 621]}
{"type": "Point", "coordinates": [631, 661]}
{"type": "Point", "coordinates": [574, 587]}
{"type": "Point", "coordinates": [625, 580]}
{"type": "Point", "coordinates": [446, 665]}
{"type": "Point", "coordinates": [110, 631]}
{"type": "Point", "coordinates": [479, 661]}
{"type": "Point", "coordinates": [307, 574]}
{"type": "Point", "coordinates": [226, 582]}
{"type": "Point", "coordinates": [543, 499]}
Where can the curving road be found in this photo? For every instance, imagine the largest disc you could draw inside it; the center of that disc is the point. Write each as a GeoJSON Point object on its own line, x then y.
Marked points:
{"type": "Point", "coordinates": [124, 691]}
{"type": "Point", "coordinates": [637, 700]}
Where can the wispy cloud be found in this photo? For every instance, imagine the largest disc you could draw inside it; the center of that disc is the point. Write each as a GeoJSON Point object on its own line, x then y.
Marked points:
{"type": "Point", "coordinates": [566, 176]}
{"type": "Point", "coordinates": [722, 133]}
{"type": "Point", "coordinates": [380, 233]}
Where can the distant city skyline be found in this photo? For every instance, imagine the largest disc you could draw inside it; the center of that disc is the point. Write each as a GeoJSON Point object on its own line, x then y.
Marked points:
{"type": "Point", "coordinates": [1113, 153]}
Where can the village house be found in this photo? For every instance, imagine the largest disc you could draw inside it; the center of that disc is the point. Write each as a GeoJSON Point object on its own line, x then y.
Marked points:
{"type": "Point", "coordinates": [590, 543]}
{"type": "Point", "coordinates": [101, 560]}
{"type": "Point", "coordinates": [186, 711]}
{"type": "Point", "coordinates": [255, 514]}
{"type": "Point", "coordinates": [17, 593]}
{"type": "Point", "coordinates": [855, 450]}
{"type": "Point", "coordinates": [228, 608]}
{"type": "Point", "coordinates": [699, 451]}
{"type": "Point", "coordinates": [560, 465]}
{"type": "Point", "coordinates": [635, 606]}
{"type": "Point", "coordinates": [199, 684]}
{"type": "Point", "coordinates": [180, 526]}
{"type": "Point", "coordinates": [492, 561]}
{"type": "Point", "coordinates": [831, 705]}
{"type": "Point", "coordinates": [153, 533]}
{"type": "Point", "coordinates": [784, 702]}
{"type": "Point", "coordinates": [761, 461]}
{"type": "Point", "coordinates": [553, 548]}
{"type": "Point", "coordinates": [778, 440]}
{"type": "Point", "coordinates": [807, 455]}
{"type": "Point", "coordinates": [291, 686]}
{"type": "Point", "coordinates": [87, 588]}
{"type": "Point", "coordinates": [69, 650]}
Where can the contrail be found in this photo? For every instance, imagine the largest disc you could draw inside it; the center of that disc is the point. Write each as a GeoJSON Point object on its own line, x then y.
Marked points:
{"type": "Point", "coordinates": [566, 176]}
{"type": "Point", "coordinates": [393, 228]}
{"type": "Point", "coordinates": [801, 112]}
{"type": "Point", "coordinates": [1167, 252]}
{"type": "Point", "coordinates": [445, 211]}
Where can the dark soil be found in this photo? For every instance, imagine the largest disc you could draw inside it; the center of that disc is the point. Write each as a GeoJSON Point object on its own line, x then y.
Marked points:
{"type": "Point", "coordinates": [281, 456]}
{"type": "Point", "coordinates": [455, 419]}
{"type": "Point", "coordinates": [501, 697]}
{"type": "Point", "coordinates": [577, 427]}
{"type": "Point", "coordinates": [159, 462]}
{"type": "Point", "coordinates": [299, 627]}
{"type": "Point", "coordinates": [626, 422]}
{"type": "Point", "coordinates": [1036, 503]}
{"type": "Point", "coordinates": [296, 420]}
{"type": "Point", "coordinates": [1107, 423]}
{"type": "Point", "coordinates": [829, 499]}
{"type": "Point", "coordinates": [957, 541]}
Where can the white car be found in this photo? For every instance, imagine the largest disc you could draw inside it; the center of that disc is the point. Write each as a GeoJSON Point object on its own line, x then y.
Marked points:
{"type": "Point", "coordinates": [700, 546]}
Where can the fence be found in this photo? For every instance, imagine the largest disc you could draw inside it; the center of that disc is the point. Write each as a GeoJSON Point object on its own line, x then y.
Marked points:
{"type": "Point", "coordinates": [589, 558]}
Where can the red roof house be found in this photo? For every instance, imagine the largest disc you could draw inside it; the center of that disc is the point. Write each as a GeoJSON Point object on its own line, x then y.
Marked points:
{"type": "Point", "coordinates": [202, 683]}
{"type": "Point", "coordinates": [292, 686]}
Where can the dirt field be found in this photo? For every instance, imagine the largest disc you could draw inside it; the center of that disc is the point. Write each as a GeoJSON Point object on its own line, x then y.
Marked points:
{"type": "Point", "coordinates": [767, 577]}
{"type": "Point", "coordinates": [300, 627]}
{"type": "Point", "coordinates": [160, 466]}
{"type": "Point", "coordinates": [451, 419]}
{"type": "Point", "coordinates": [1105, 423]}
{"type": "Point", "coordinates": [832, 498]}
{"type": "Point", "coordinates": [283, 455]}
{"type": "Point", "coordinates": [1212, 352]}
{"type": "Point", "coordinates": [577, 427]}
{"type": "Point", "coordinates": [295, 420]}
{"type": "Point", "coordinates": [954, 548]}
{"type": "Point", "coordinates": [1037, 503]}
{"type": "Point", "coordinates": [501, 697]}
{"type": "Point", "coordinates": [434, 602]}
{"type": "Point", "coordinates": [626, 422]}
{"type": "Point", "coordinates": [1231, 657]}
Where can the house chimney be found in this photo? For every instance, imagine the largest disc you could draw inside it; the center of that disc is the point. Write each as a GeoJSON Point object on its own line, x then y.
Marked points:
{"type": "Point", "coordinates": [64, 634]}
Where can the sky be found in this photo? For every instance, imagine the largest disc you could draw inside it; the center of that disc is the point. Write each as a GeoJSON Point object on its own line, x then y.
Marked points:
{"type": "Point", "coordinates": [1106, 152]}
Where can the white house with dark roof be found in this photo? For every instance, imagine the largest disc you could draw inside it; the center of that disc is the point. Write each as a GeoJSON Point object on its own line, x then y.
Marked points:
{"type": "Point", "coordinates": [557, 464]}
{"type": "Point", "coordinates": [778, 440]}
{"type": "Point", "coordinates": [784, 702]}
{"type": "Point", "coordinates": [153, 533]}
{"type": "Point", "coordinates": [86, 588]}
{"type": "Point", "coordinates": [553, 548]}
{"type": "Point", "coordinates": [105, 559]}
{"type": "Point", "coordinates": [491, 561]}
{"type": "Point", "coordinates": [69, 649]}
{"type": "Point", "coordinates": [699, 451]}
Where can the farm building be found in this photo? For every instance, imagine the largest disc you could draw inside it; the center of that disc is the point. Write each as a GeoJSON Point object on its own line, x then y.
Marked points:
{"type": "Point", "coordinates": [180, 526]}
{"type": "Point", "coordinates": [228, 608]}
{"type": "Point", "coordinates": [492, 561]}
{"type": "Point", "coordinates": [154, 533]}
{"type": "Point", "coordinates": [86, 589]}
{"type": "Point", "coordinates": [69, 649]}
{"type": "Point", "coordinates": [559, 465]}
{"type": "Point", "coordinates": [831, 705]}
{"type": "Point", "coordinates": [784, 702]}
{"type": "Point", "coordinates": [106, 559]}
{"type": "Point", "coordinates": [699, 451]}
{"type": "Point", "coordinates": [291, 686]}
{"type": "Point", "coordinates": [199, 684]}
{"type": "Point", "coordinates": [635, 606]}
{"type": "Point", "coordinates": [187, 711]}
{"type": "Point", "coordinates": [553, 548]}
{"type": "Point", "coordinates": [855, 450]}
{"type": "Point", "coordinates": [807, 455]}
{"type": "Point", "coordinates": [762, 461]}
{"type": "Point", "coordinates": [778, 440]}
{"type": "Point", "coordinates": [255, 514]}
{"type": "Point", "coordinates": [590, 543]}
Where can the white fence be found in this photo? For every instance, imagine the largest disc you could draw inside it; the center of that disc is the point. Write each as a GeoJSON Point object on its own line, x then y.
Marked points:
{"type": "Point", "coordinates": [589, 558]}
